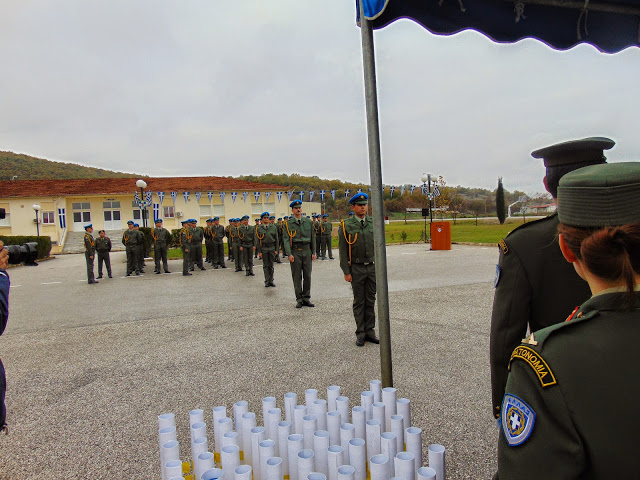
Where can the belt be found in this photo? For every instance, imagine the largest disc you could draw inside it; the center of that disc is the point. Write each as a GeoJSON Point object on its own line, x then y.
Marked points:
{"type": "Point", "coordinates": [365, 264]}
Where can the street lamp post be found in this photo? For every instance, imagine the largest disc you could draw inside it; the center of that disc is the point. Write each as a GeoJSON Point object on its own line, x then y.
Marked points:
{"type": "Point", "coordinates": [141, 184]}
{"type": "Point", "coordinates": [426, 182]}
{"type": "Point", "coordinates": [37, 209]}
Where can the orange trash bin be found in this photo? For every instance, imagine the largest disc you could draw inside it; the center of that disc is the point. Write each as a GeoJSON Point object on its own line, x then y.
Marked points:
{"type": "Point", "coordinates": [441, 236]}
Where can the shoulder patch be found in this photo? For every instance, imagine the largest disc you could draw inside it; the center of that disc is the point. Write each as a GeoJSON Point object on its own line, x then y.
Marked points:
{"type": "Point", "coordinates": [536, 362]}
{"type": "Point", "coordinates": [518, 419]}
{"type": "Point", "coordinates": [496, 279]}
{"type": "Point", "coordinates": [504, 248]}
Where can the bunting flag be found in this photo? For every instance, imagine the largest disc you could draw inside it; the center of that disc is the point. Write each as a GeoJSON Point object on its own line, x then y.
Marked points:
{"type": "Point", "coordinates": [233, 196]}
{"type": "Point", "coordinates": [210, 196]}
{"type": "Point", "coordinates": [136, 197]}
{"type": "Point", "coordinates": [173, 196]}
{"type": "Point", "coordinates": [425, 190]}
{"type": "Point", "coordinates": [267, 195]}
{"type": "Point", "coordinates": [359, 190]}
{"type": "Point", "coordinates": [149, 198]}
{"type": "Point", "coordinates": [256, 195]}
{"type": "Point", "coordinates": [161, 197]}
{"type": "Point", "coordinates": [279, 195]}
{"type": "Point", "coordinates": [311, 192]}
{"type": "Point", "coordinates": [402, 190]}
{"type": "Point", "coordinates": [436, 191]}
{"type": "Point", "coordinates": [391, 190]}
{"type": "Point", "coordinates": [346, 193]}
{"type": "Point", "coordinates": [156, 211]}
{"type": "Point", "coordinates": [244, 196]}
{"type": "Point", "coordinates": [322, 193]}
{"type": "Point", "coordinates": [333, 194]}
{"type": "Point", "coordinates": [412, 188]}
{"type": "Point", "coordinates": [186, 196]}
{"type": "Point", "coordinates": [290, 194]}
{"type": "Point", "coordinates": [198, 196]}
{"type": "Point", "coordinates": [301, 193]}
{"type": "Point", "coordinates": [222, 195]}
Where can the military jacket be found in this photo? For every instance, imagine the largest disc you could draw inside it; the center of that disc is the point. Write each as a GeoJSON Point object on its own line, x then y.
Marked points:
{"type": "Point", "coordinates": [267, 235]}
{"type": "Point", "coordinates": [233, 234]}
{"type": "Point", "coordinates": [280, 228]}
{"type": "Point", "coordinates": [185, 238]}
{"type": "Point", "coordinates": [326, 228]}
{"type": "Point", "coordinates": [161, 237]}
{"type": "Point", "coordinates": [570, 407]}
{"type": "Point", "coordinates": [298, 232]}
{"type": "Point", "coordinates": [197, 235]}
{"type": "Point", "coordinates": [355, 242]}
{"type": "Point", "coordinates": [130, 238]}
{"type": "Point", "coordinates": [103, 245]}
{"type": "Point", "coordinates": [534, 286]}
{"type": "Point", "coordinates": [217, 233]}
{"type": "Point", "coordinates": [89, 244]}
{"type": "Point", "coordinates": [247, 235]}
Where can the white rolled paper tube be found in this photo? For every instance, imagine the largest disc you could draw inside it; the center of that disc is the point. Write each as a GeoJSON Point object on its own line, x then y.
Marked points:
{"type": "Point", "coordinates": [239, 409]}
{"type": "Point", "coordinates": [205, 462]}
{"type": "Point", "coordinates": [373, 438]}
{"type": "Point", "coordinates": [212, 474]}
{"type": "Point", "coordinates": [359, 420]}
{"type": "Point", "coordinates": [403, 407]}
{"type": "Point", "coordinates": [267, 449]}
{"type": "Point", "coordinates": [342, 405]}
{"type": "Point", "coordinates": [198, 429]}
{"type": "Point", "coordinates": [333, 392]}
{"type": "Point", "coordinates": [405, 465]}
{"type": "Point", "coordinates": [397, 427]}
{"type": "Point", "coordinates": [390, 400]}
{"type": "Point", "coordinates": [170, 451]}
{"type": "Point", "coordinates": [199, 445]}
{"type": "Point", "coordinates": [376, 387]}
{"type": "Point", "coordinates": [436, 460]}
{"type": "Point", "coordinates": [166, 420]}
{"type": "Point", "coordinates": [334, 420]}
{"type": "Point", "coordinates": [335, 459]}
{"type": "Point", "coordinates": [165, 434]}
{"type": "Point", "coordinates": [299, 411]}
{"type": "Point", "coordinates": [295, 443]}
{"type": "Point", "coordinates": [306, 463]}
{"type": "Point", "coordinates": [230, 459]}
{"type": "Point", "coordinates": [413, 442]}
{"type": "Point", "coordinates": [230, 438]}
{"type": "Point", "coordinates": [274, 469]}
{"type": "Point", "coordinates": [196, 416]}
{"type": "Point", "coordinates": [243, 472]}
{"type": "Point", "coordinates": [173, 468]}
{"type": "Point", "coordinates": [366, 401]}
{"type": "Point", "coordinates": [320, 448]}
{"type": "Point", "coordinates": [219, 413]}
{"type": "Point", "coordinates": [284, 430]}
{"type": "Point", "coordinates": [346, 472]}
{"type": "Point", "coordinates": [290, 402]}
{"type": "Point", "coordinates": [316, 476]}
{"type": "Point", "coordinates": [267, 404]}
{"type": "Point", "coordinates": [274, 415]}
{"type": "Point", "coordinates": [377, 413]}
{"type": "Point", "coordinates": [379, 467]}
{"type": "Point", "coordinates": [248, 422]}
{"type": "Point", "coordinates": [310, 425]}
{"type": "Point", "coordinates": [358, 457]}
{"type": "Point", "coordinates": [426, 473]}
{"type": "Point", "coordinates": [177, 478]}
{"type": "Point", "coordinates": [223, 426]}
{"type": "Point", "coordinates": [258, 434]}
{"type": "Point", "coordinates": [320, 411]}
{"type": "Point", "coordinates": [347, 432]}
{"type": "Point", "coordinates": [310, 396]}
{"type": "Point", "coordinates": [389, 448]}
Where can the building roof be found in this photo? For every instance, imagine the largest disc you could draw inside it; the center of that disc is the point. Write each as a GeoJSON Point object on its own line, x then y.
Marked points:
{"type": "Point", "coordinates": [120, 186]}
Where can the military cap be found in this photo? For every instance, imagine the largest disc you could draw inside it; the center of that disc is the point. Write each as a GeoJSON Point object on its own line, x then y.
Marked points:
{"type": "Point", "coordinates": [209, 220]}
{"type": "Point", "coordinates": [279, 218]}
{"type": "Point", "coordinates": [130, 222]}
{"type": "Point", "coordinates": [245, 217]}
{"type": "Point", "coordinates": [351, 214]}
{"type": "Point", "coordinates": [326, 215]}
{"type": "Point", "coordinates": [184, 221]}
{"type": "Point", "coordinates": [575, 151]}
{"type": "Point", "coordinates": [272, 217]}
{"type": "Point", "coordinates": [136, 225]}
{"type": "Point", "coordinates": [158, 220]}
{"type": "Point", "coordinates": [296, 203]}
{"type": "Point", "coordinates": [88, 225]}
{"type": "Point", "coordinates": [257, 220]}
{"type": "Point", "coordinates": [193, 220]}
{"type": "Point", "coordinates": [359, 199]}
{"type": "Point", "coordinates": [601, 195]}
{"type": "Point", "coordinates": [215, 219]}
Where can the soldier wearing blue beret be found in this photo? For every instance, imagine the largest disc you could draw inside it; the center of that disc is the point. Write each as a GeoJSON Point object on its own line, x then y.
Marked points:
{"type": "Point", "coordinates": [161, 239]}
{"type": "Point", "coordinates": [217, 232]}
{"type": "Point", "coordinates": [247, 237]}
{"type": "Point", "coordinates": [326, 228]}
{"type": "Point", "coordinates": [103, 247]}
{"type": "Point", "coordinates": [235, 242]}
{"type": "Point", "coordinates": [130, 241]}
{"type": "Point", "coordinates": [267, 239]}
{"type": "Point", "coordinates": [300, 247]}
{"type": "Point", "coordinates": [206, 232]}
{"type": "Point", "coordinates": [185, 245]}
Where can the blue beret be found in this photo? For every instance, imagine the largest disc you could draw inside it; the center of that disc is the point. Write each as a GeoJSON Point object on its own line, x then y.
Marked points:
{"type": "Point", "coordinates": [136, 225]}
{"type": "Point", "coordinates": [193, 220]}
{"type": "Point", "coordinates": [295, 203]}
{"type": "Point", "coordinates": [214, 219]}
{"type": "Point", "coordinates": [158, 220]}
{"type": "Point", "coordinates": [326, 215]}
{"type": "Point", "coordinates": [88, 225]}
{"type": "Point", "coordinates": [264, 214]}
{"type": "Point", "coordinates": [351, 214]}
{"type": "Point", "coordinates": [280, 218]}
{"type": "Point", "coordinates": [272, 217]}
{"type": "Point", "coordinates": [359, 199]}
{"type": "Point", "coordinates": [130, 222]}
{"type": "Point", "coordinates": [184, 221]}
{"type": "Point", "coordinates": [245, 217]}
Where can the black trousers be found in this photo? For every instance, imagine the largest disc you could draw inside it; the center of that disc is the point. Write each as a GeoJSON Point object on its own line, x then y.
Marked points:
{"type": "Point", "coordinates": [160, 253]}
{"type": "Point", "coordinates": [106, 259]}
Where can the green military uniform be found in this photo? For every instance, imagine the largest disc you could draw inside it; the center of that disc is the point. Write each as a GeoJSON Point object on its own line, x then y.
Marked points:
{"type": "Point", "coordinates": [217, 244]}
{"type": "Point", "coordinates": [197, 235]}
{"type": "Point", "coordinates": [227, 233]}
{"type": "Point", "coordinates": [185, 245]}
{"type": "Point", "coordinates": [257, 249]}
{"type": "Point", "coordinates": [235, 245]}
{"type": "Point", "coordinates": [130, 241]}
{"type": "Point", "coordinates": [89, 254]}
{"type": "Point", "coordinates": [140, 249]}
{"type": "Point", "coordinates": [247, 238]}
{"type": "Point", "coordinates": [103, 247]}
{"type": "Point", "coordinates": [326, 227]}
{"type": "Point", "coordinates": [161, 240]}
{"type": "Point", "coordinates": [206, 231]}
{"type": "Point", "coordinates": [300, 243]}
{"type": "Point", "coordinates": [357, 255]}
{"type": "Point", "coordinates": [318, 232]}
{"type": "Point", "coordinates": [267, 239]}
{"type": "Point", "coordinates": [280, 245]}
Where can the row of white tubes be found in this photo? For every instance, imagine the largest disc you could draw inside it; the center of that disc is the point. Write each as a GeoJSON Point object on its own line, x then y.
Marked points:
{"type": "Point", "coordinates": [315, 441]}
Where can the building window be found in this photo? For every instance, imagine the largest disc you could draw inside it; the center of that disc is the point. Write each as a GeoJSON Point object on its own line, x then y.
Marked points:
{"type": "Point", "coordinates": [137, 216]}
{"type": "Point", "coordinates": [109, 205]}
{"type": "Point", "coordinates": [218, 210]}
{"type": "Point", "coordinates": [205, 211]}
{"type": "Point", "coordinates": [256, 208]}
{"type": "Point", "coordinates": [81, 217]}
{"type": "Point", "coordinates": [48, 218]}
{"type": "Point", "coordinates": [6, 221]}
{"type": "Point", "coordinates": [270, 207]}
{"type": "Point", "coordinates": [168, 212]}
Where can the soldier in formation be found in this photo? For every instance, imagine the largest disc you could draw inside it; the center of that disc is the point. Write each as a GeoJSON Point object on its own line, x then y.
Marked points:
{"type": "Point", "coordinates": [161, 239]}
{"type": "Point", "coordinates": [300, 247]}
{"type": "Point", "coordinates": [103, 247]}
{"type": "Point", "coordinates": [247, 237]}
{"type": "Point", "coordinates": [89, 252]}
{"type": "Point", "coordinates": [267, 239]}
{"type": "Point", "coordinates": [140, 247]}
{"type": "Point", "coordinates": [207, 241]}
{"type": "Point", "coordinates": [235, 243]}
{"type": "Point", "coordinates": [185, 245]}
{"type": "Point", "coordinates": [326, 228]}
{"type": "Point", "coordinates": [217, 233]}
{"type": "Point", "coordinates": [197, 235]}
{"type": "Point", "coordinates": [130, 241]}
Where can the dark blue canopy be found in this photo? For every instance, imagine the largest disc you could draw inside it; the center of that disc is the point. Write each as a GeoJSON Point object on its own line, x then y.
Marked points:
{"type": "Point", "coordinates": [609, 25]}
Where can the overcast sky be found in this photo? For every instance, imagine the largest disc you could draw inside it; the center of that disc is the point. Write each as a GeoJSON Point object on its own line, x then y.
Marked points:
{"type": "Point", "coordinates": [213, 87]}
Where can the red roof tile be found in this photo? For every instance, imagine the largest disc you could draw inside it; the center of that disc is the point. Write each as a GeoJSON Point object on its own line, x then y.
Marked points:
{"type": "Point", "coordinates": [115, 186]}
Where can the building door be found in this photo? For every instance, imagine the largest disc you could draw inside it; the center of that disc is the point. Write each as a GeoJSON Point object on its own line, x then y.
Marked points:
{"type": "Point", "coordinates": [112, 215]}
{"type": "Point", "coordinates": [81, 215]}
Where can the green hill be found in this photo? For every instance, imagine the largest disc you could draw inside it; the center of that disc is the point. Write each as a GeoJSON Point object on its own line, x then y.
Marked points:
{"type": "Point", "coordinates": [25, 167]}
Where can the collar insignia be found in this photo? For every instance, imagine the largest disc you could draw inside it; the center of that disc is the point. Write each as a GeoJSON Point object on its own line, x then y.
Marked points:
{"type": "Point", "coordinates": [518, 419]}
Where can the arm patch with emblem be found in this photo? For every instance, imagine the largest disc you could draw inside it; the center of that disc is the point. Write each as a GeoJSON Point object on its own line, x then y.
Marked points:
{"type": "Point", "coordinates": [536, 362]}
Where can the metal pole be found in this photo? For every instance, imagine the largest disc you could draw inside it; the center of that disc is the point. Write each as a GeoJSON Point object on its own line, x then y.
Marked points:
{"type": "Point", "coordinates": [144, 208]}
{"type": "Point", "coordinates": [37, 224]}
{"type": "Point", "coordinates": [377, 204]}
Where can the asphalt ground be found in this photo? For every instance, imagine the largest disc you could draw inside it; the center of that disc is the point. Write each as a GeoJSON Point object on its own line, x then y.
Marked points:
{"type": "Point", "coordinates": [89, 367]}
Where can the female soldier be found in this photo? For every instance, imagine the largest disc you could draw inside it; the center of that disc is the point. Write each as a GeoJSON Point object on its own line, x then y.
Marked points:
{"type": "Point", "coordinates": [570, 407]}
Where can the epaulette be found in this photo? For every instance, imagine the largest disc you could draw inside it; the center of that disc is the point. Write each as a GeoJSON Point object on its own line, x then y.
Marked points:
{"type": "Point", "coordinates": [540, 336]}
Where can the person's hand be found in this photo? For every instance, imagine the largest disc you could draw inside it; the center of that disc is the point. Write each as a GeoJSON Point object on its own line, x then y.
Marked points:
{"type": "Point", "coordinates": [91, 257]}
{"type": "Point", "coordinates": [291, 258]}
{"type": "Point", "coordinates": [347, 277]}
{"type": "Point", "coordinates": [4, 257]}
{"type": "Point", "coordinates": [241, 249]}
{"type": "Point", "coordinates": [313, 257]}
{"type": "Point", "coordinates": [259, 255]}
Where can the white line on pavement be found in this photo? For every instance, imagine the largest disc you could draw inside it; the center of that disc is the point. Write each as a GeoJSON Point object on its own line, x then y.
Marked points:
{"type": "Point", "coordinates": [49, 283]}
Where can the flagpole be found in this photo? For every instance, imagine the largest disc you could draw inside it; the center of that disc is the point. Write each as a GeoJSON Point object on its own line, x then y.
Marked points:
{"type": "Point", "coordinates": [377, 204]}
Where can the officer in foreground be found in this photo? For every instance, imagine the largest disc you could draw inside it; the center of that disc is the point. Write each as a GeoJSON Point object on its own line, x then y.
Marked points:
{"type": "Point", "coordinates": [161, 240]}
{"type": "Point", "coordinates": [217, 233]}
{"type": "Point", "coordinates": [89, 252]}
{"type": "Point", "coordinates": [355, 244]}
{"type": "Point", "coordinates": [130, 241]}
{"type": "Point", "coordinates": [300, 247]}
{"type": "Point", "coordinates": [534, 286]}
{"type": "Point", "coordinates": [103, 247]}
{"type": "Point", "coordinates": [570, 407]}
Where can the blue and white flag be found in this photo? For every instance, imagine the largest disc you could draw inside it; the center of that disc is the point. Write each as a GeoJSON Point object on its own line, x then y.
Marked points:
{"type": "Point", "coordinates": [346, 193]}
{"type": "Point", "coordinates": [233, 196]}
{"type": "Point", "coordinates": [149, 198]}
{"type": "Point", "coordinates": [222, 195]}
{"type": "Point", "coordinates": [198, 196]}
{"type": "Point", "coordinates": [359, 190]}
{"type": "Point", "coordinates": [436, 191]}
{"type": "Point", "coordinates": [267, 195]}
{"type": "Point", "coordinates": [136, 197]}
{"type": "Point", "coordinates": [210, 196]}
{"type": "Point", "coordinates": [62, 218]}
{"type": "Point", "coordinates": [173, 196]}
{"type": "Point", "coordinates": [311, 192]}
{"type": "Point", "coordinates": [322, 192]}
{"type": "Point", "coordinates": [412, 188]}
{"type": "Point", "coordinates": [161, 197]}
{"type": "Point", "coordinates": [301, 193]}
{"type": "Point", "coordinates": [402, 190]}
{"type": "Point", "coordinates": [156, 211]}
{"type": "Point", "coordinates": [425, 190]}
{"type": "Point", "coordinates": [256, 195]}
{"type": "Point", "coordinates": [244, 196]}
{"type": "Point", "coordinates": [290, 194]}
{"type": "Point", "coordinates": [333, 194]}
{"type": "Point", "coordinates": [186, 196]}
{"type": "Point", "coordinates": [279, 195]}
{"type": "Point", "coordinates": [391, 190]}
